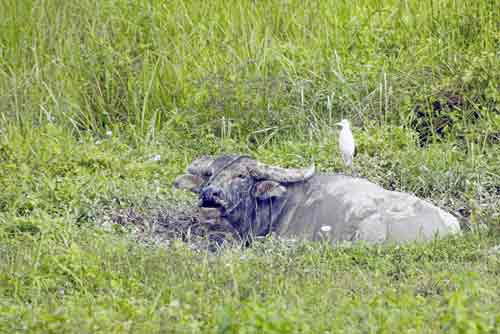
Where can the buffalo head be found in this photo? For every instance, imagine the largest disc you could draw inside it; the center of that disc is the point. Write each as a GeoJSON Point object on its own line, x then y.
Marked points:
{"type": "Point", "coordinates": [242, 191]}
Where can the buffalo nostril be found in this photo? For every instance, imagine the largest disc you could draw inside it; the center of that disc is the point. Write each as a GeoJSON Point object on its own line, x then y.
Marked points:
{"type": "Point", "coordinates": [211, 193]}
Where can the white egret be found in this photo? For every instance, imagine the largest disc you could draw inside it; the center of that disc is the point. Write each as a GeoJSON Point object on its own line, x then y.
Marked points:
{"type": "Point", "coordinates": [346, 142]}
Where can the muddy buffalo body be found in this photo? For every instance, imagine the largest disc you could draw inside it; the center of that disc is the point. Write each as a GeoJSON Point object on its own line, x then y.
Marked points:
{"type": "Point", "coordinates": [257, 199]}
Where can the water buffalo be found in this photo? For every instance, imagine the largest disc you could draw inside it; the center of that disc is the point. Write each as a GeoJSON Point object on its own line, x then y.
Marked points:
{"type": "Point", "coordinates": [257, 199]}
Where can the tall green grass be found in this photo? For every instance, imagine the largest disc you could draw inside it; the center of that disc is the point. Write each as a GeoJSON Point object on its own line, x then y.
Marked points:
{"type": "Point", "coordinates": [245, 68]}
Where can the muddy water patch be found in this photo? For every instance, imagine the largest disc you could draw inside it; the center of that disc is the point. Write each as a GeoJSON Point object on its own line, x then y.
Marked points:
{"type": "Point", "coordinates": [201, 229]}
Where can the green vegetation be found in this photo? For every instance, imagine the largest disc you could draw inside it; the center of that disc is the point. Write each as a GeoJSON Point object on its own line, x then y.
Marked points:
{"type": "Point", "coordinates": [90, 91]}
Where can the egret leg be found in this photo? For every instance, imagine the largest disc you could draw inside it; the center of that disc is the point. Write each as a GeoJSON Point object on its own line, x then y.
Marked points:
{"type": "Point", "coordinates": [349, 164]}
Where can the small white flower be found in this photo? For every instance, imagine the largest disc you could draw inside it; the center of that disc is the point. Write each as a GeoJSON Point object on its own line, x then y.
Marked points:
{"type": "Point", "coordinates": [155, 157]}
{"type": "Point", "coordinates": [175, 303]}
{"type": "Point", "coordinates": [326, 228]}
{"type": "Point", "coordinates": [423, 169]}
{"type": "Point", "coordinates": [109, 133]}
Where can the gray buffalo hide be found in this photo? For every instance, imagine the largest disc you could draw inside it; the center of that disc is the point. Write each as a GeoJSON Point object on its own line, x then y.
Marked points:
{"type": "Point", "coordinates": [342, 208]}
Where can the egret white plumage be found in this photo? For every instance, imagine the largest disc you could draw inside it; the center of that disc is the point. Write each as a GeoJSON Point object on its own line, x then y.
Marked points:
{"type": "Point", "coordinates": [346, 142]}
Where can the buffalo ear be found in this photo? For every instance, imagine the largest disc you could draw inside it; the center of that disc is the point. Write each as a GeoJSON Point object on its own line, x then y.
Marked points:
{"type": "Point", "coordinates": [189, 182]}
{"type": "Point", "coordinates": [268, 189]}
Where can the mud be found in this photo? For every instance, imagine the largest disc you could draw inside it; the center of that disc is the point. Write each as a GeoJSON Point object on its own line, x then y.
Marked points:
{"type": "Point", "coordinates": [201, 229]}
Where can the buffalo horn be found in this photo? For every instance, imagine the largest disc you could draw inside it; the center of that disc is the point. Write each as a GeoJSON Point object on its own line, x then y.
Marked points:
{"type": "Point", "coordinates": [282, 175]}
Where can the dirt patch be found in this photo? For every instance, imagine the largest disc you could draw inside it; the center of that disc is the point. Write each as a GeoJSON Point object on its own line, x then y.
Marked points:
{"type": "Point", "coordinates": [436, 117]}
{"type": "Point", "coordinates": [162, 226]}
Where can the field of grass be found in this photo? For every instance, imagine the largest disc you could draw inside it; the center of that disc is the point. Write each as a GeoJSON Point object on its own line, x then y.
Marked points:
{"type": "Point", "coordinates": [91, 92]}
